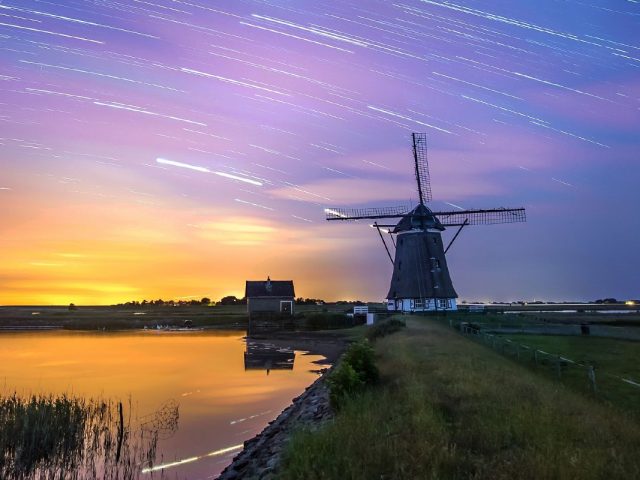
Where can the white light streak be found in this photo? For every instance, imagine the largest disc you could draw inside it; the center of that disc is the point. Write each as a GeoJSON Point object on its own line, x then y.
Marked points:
{"type": "Point", "coordinates": [455, 206]}
{"type": "Point", "coordinates": [241, 179]}
{"type": "Point", "coordinates": [330, 211]}
{"type": "Point", "coordinates": [476, 85]}
{"type": "Point", "coordinates": [75, 20]}
{"type": "Point", "coordinates": [571, 135]}
{"type": "Point", "coordinates": [562, 182]}
{"type": "Point", "coordinates": [132, 108]}
{"type": "Point", "coordinates": [215, 453]}
{"type": "Point", "coordinates": [183, 165]}
{"type": "Point", "coordinates": [302, 218]}
{"type": "Point", "coordinates": [253, 204]}
{"type": "Point", "coordinates": [316, 31]}
{"type": "Point", "coordinates": [295, 36]}
{"type": "Point", "coordinates": [51, 92]}
{"type": "Point", "coordinates": [230, 80]}
{"type": "Point", "coordinates": [98, 74]}
{"type": "Point", "coordinates": [503, 109]}
{"type": "Point", "coordinates": [51, 33]}
{"type": "Point", "coordinates": [394, 114]}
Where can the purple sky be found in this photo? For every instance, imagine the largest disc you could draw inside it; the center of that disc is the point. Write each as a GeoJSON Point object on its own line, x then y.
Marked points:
{"type": "Point", "coordinates": [176, 148]}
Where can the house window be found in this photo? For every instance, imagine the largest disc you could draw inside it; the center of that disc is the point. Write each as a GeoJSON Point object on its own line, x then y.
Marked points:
{"type": "Point", "coordinates": [443, 303]}
{"type": "Point", "coordinates": [419, 303]}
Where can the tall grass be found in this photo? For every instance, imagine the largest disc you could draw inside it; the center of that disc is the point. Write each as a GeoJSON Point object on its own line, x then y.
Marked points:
{"type": "Point", "coordinates": [62, 437]}
{"type": "Point", "coordinates": [448, 408]}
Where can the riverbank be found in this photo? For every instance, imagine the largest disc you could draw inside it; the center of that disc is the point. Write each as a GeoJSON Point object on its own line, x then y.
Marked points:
{"type": "Point", "coordinates": [447, 407]}
{"type": "Point", "coordinates": [261, 456]}
{"type": "Point", "coordinates": [260, 459]}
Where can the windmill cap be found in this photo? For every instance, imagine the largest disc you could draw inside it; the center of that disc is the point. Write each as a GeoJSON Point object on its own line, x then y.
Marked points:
{"type": "Point", "coordinates": [420, 217]}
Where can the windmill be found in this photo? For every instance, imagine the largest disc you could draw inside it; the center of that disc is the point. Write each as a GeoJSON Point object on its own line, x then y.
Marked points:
{"type": "Point", "coordinates": [420, 280]}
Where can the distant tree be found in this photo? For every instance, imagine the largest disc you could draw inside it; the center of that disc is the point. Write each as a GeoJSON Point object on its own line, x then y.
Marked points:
{"type": "Point", "coordinates": [229, 300]}
{"type": "Point", "coordinates": [205, 301]}
{"type": "Point", "coordinates": [72, 306]}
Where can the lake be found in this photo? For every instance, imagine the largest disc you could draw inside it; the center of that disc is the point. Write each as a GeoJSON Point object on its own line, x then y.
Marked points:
{"type": "Point", "coordinates": [226, 388]}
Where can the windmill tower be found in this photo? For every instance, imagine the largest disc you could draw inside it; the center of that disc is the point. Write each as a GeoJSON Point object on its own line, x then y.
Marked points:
{"type": "Point", "coordinates": [421, 280]}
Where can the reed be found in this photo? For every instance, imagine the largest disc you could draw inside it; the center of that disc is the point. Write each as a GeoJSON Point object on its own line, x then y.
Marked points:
{"type": "Point", "coordinates": [47, 437]}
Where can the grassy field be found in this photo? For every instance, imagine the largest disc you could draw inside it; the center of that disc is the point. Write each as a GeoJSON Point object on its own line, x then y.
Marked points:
{"type": "Point", "coordinates": [447, 407]}
{"type": "Point", "coordinates": [611, 358]}
{"type": "Point", "coordinates": [119, 318]}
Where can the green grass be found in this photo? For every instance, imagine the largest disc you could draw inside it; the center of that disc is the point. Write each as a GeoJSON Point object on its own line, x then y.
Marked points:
{"type": "Point", "coordinates": [447, 407]}
{"type": "Point", "coordinates": [608, 356]}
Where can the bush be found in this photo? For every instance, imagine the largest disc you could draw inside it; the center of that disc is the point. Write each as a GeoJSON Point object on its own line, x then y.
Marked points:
{"type": "Point", "coordinates": [385, 328]}
{"type": "Point", "coordinates": [356, 370]}
{"type": "Point", "coordinates": [363, 360]}
{"type": "Point", "coordinates": [343, 382]}
{"type": "Point", "coordinates": [327, 321]}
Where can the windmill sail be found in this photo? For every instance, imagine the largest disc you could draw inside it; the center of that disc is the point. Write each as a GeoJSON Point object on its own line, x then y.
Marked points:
{"type": "Point", "coordinates": [481, 217]}
{"type": "Point", "coordinates": [422, 167]}
{"type": "Point", "coordinates": [365, 213]}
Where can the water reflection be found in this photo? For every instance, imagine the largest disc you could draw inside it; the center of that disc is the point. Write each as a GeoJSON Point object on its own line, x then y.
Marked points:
{"type": "Point", "coordinates": [219, 380]}
{"type": "Point", "coordinates": [260, 355]}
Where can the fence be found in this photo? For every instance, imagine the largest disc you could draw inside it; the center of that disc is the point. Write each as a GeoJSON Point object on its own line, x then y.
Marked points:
{"type": "Point", "coordinates": [560, 365]}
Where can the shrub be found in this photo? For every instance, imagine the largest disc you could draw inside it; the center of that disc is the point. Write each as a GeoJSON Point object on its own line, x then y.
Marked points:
{"type": "Point", "coordinates": [356, 370]}
{"type": "Point", "coordinates": [385, 328]}
{"type": "Point", "coordinates": [343, 382]}
{"type": "Point", "coordinates": [362, 358]}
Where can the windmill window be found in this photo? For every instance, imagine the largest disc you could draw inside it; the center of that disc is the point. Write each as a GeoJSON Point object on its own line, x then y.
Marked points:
{"type": "Point", "coordinates": [436, 263]}
{"type": "Point", "coordinates": [400, 265]}
{"type": "Point", "coordinates": [435, 240]}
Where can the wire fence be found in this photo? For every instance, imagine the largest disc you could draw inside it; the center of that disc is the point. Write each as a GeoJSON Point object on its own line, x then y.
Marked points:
{"type": "Point", "coordinates": [582, 373]}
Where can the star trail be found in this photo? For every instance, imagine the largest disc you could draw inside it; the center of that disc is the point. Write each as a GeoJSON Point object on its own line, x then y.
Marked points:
{"type": "Point", "coordinates": [124, 125]}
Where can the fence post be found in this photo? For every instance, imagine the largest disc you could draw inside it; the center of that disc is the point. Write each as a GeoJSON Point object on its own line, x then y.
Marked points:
{"type": "Point", "coordinates": [535, 357]}
{"type": "Point", "coordinates": [592, 378]}
{"type": "Point", "coordinates": [558, 367]}
{"type": "Point", "coordinates": [518, 351]}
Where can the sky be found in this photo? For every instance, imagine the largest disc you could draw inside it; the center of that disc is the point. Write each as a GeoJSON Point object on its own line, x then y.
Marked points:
{"type": "Point", "coordinates": [174, 149]}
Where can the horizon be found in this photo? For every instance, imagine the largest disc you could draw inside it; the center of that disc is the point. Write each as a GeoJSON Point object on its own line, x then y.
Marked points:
{"type": "Point", "coordinates": [154, 152]}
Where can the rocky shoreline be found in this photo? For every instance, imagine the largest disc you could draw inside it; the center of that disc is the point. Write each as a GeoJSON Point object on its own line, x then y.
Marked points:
{"type": "Point", "coordinates": [261, 455]}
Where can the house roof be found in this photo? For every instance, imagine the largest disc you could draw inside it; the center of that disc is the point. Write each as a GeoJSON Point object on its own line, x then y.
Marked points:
{"type": "Point", "coordinates": [269, 288]}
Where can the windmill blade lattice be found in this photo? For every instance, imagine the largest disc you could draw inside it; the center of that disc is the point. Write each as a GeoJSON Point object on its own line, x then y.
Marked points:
{"type": "Point", "coordinates": [422, 167]}
{"type": "Point", "coordinates": [365, 213]}
{"type": "Point", "coordinates": [481, 217]}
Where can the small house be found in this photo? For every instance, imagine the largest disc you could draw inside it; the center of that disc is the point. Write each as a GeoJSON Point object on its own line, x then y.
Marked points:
{"type": "Point", "coordinates": [270, 297]}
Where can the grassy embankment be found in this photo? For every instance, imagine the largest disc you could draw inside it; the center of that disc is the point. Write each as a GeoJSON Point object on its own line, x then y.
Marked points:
{"type": "Point", "coordinates": [447, 407]}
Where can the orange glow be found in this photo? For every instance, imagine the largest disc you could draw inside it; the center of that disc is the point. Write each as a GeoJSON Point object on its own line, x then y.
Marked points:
{"type": "Point", "coordinates": [100, 253]}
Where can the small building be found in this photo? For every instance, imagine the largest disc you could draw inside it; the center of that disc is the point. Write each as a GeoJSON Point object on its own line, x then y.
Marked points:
{"type": "Point", "coordinates": [270, 297]}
